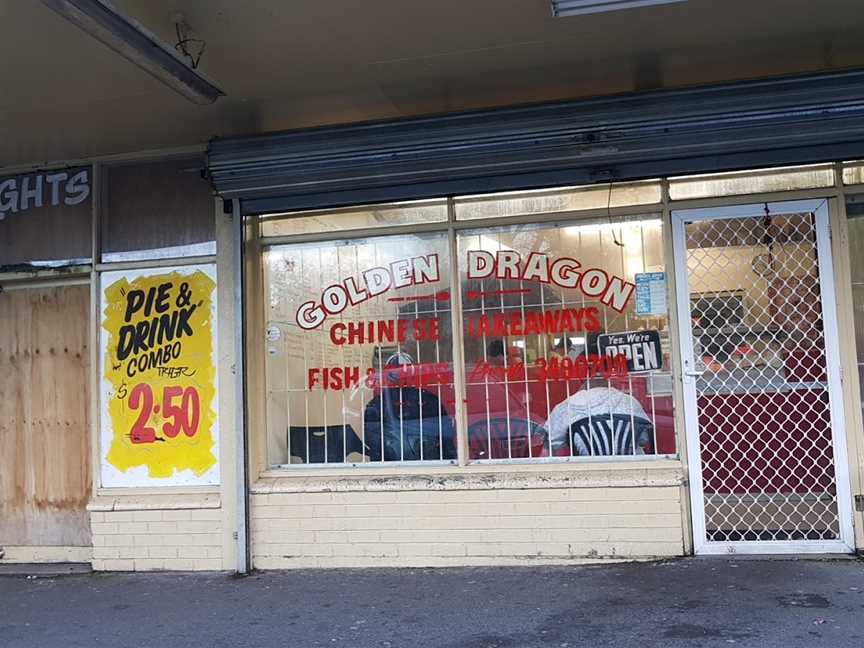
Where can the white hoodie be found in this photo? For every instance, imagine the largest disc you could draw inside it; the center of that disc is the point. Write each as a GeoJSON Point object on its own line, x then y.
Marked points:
{"type": "Point", "coordinates": [610, 416]}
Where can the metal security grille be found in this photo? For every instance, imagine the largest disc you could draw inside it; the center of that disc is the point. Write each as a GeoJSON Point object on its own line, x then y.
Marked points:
{"type": "Point", "coordinates": [365, 386]}
{"type": "Point", "coordinates": [516, 411]}
{"type": "Point", "coordinates": [759, 371]}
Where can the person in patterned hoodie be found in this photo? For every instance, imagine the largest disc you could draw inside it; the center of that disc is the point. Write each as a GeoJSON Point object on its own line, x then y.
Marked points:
{"type": "Point", "coordinates": [599, 421]}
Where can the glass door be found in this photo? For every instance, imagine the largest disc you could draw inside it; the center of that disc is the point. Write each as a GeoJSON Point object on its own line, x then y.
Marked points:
{"type": "Point", "coordinates": [763, 402]}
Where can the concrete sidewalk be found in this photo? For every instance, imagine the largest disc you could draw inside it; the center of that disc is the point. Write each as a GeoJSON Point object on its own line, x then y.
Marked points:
{"type": "Point", "coordinates": [696, 602]}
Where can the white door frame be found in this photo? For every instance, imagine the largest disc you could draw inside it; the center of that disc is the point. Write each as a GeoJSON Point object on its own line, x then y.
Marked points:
{"type": "Point", "coordinates": [819, 207]}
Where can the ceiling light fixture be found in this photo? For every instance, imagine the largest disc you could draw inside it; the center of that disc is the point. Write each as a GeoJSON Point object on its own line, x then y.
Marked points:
{"type": "Point", "coordinates": [579, 7]}
{"type": "Point", "coordinates": [133, 42]}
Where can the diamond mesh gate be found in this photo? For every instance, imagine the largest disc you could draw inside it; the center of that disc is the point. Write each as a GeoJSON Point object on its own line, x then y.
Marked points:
{"type": "Point", "coordinates": [757, 331]}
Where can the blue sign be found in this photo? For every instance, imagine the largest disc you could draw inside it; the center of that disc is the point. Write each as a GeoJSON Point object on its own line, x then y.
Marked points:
{"type": "Point", "coordinates": [651, 293]}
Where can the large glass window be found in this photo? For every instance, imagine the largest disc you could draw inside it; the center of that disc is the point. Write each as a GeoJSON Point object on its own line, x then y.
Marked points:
{"type": "Point", "coordinates": [354, 218]}
{"type": "Point", "coordinates": [566, 340]}
{"type": "Point", "coordinates": [558, 200]}
{"type": "Point", "coordinates": [853, 173]}
{"type": "Point", "coordinates": [359, 351]}
{"type": "Point", "coordinates": [751, 182]}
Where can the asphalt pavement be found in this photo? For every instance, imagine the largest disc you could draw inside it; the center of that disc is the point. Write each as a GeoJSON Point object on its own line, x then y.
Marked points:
{"type": "Point", "coordinates": [689, 602]}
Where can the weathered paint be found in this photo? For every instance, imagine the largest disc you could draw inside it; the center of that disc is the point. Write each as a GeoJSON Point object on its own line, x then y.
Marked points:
{"type": "Point", "coordinates": [44, 418]}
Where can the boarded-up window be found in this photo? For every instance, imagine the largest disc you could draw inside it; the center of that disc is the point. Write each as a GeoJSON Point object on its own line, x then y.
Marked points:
{"type": "Point", "coordinates": [44, 418]}
{"type": "Point", "coordinates": [45, 219]}
{"type": "Point", "coordinates": [156, 210]}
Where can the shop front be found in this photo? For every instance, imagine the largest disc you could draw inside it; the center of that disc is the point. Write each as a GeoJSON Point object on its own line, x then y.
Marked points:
{"type": "Point", "coordinates": [496, 365]}
{"type": "Point", "coordinates": [110, 444]}
{"type": "Point", "coordinates": [560, 332]}
{"type": "Point", "coordinates": [619, 329]}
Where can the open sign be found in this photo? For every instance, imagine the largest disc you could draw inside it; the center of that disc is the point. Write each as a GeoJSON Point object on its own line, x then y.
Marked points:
{"type": "Point", "coordinates": [641, 348]}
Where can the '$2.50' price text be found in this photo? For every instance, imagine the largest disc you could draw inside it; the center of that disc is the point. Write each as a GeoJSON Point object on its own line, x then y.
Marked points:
{"type": "Point", "coordinates": [185, 415]}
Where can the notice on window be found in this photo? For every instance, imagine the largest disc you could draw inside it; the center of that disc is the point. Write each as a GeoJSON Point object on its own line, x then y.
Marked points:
{"type": "Point", "coordinates": [641, 348]}
{"type": "Point", "coordinates": [651, 293]}
{"type": "Point", "coordinates": [158, 387]}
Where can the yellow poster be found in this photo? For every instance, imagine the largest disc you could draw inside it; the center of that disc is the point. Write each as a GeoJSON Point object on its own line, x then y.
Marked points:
{"type": "Point", "coordinates": [159, 424]}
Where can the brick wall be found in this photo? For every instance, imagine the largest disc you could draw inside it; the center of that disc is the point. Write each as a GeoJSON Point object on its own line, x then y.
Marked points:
{"type": "Point", "coordinates": [473, 520]}
{"type": "Point", "coordinates": [157, 533]}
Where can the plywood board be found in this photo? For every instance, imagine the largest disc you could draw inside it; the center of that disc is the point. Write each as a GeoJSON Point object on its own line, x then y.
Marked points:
{"type": "Point", "coordinates": [44, 419]}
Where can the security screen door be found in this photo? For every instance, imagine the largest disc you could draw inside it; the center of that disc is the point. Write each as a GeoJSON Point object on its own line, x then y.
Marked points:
{"type": "Point", "coordinates": [763, 402]}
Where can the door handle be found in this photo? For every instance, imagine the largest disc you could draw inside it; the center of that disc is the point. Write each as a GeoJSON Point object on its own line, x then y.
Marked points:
{"type": "Point", "coordinates": [693, 374]}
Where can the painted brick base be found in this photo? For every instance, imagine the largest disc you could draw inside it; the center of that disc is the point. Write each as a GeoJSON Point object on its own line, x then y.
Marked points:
{"type": "Point", "coordinates": [470, 521]}
{"type": "Point", "coordinates": [164, 533]}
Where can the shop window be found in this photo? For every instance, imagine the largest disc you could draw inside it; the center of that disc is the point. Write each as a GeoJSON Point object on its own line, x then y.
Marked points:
{"type": "Point", "coordinates": [353, 218]}
{"type": "Point", "coordinates": [156, 210]}
{"type": "Point", "coordinates": [45, 220]}
{"type": "Point", "coordinates": [750, 182]}
{"type": "Point", "coordinates": [566, 340]}
{"type": "Point", "coordinates": [853, 173]}
{"type": "Point", "coordinates": [359, 351]}
{"type": "Point", "coordinates": [549, 201]}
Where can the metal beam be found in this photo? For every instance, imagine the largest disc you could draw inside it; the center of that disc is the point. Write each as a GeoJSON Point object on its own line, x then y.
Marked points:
{"type": "Point", "coordinates": [138, 45]}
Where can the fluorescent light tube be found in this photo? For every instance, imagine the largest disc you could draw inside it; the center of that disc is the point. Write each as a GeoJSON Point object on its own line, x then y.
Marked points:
{"type": "Point", "coordinates": [580, 7]}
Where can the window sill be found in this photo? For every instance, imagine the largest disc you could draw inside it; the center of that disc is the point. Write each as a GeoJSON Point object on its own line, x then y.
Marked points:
{"type": "Point", "coordinates": [656, 472]}
{"type": "Point", "coordinates": [154, 501]}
